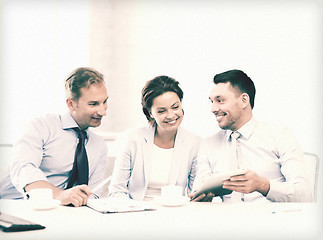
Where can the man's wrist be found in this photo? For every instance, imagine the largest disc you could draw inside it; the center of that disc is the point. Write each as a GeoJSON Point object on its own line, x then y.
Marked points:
{"type": "Point", "coordinates": [264, 186]}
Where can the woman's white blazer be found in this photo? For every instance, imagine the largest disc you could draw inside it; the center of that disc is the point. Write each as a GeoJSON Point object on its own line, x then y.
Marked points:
{"type": "Point", "coordinates": [132, 166]}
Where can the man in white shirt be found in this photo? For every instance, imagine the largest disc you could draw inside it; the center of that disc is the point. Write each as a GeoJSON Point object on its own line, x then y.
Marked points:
{"type": "Point", "coordinates": [44, 155]}
{"type": "Point", "coordinates": [270, 153]}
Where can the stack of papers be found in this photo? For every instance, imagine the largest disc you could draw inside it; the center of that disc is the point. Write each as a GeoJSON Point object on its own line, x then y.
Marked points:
{"type": "Point", "coordinates": [118, 205]}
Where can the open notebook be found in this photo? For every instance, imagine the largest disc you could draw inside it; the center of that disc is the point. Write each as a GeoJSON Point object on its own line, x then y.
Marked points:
{"type": "Point", "coordinates": [118, 205]}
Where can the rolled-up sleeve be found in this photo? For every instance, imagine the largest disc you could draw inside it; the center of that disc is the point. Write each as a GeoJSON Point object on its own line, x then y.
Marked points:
{"type": "Point", "coordinates": [296, 187]}
{"type": "Point", "coordinates": [28, 154]}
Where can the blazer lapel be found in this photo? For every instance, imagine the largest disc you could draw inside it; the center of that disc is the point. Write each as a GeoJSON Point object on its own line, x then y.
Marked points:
{"type": "Point", "coordinates": [147, 147]}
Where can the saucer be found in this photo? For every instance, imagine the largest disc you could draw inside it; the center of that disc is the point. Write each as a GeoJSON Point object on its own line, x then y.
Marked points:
{"type": "Point", "coordinates": [172, 202]}
{"type": "Point", "coordinates": [45, 205]}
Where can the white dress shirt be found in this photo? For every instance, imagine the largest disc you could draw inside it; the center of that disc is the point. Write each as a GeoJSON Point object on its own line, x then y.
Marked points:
{"type": "Point", "coordinates": [271, 151]}
{"type": "Point", "coordinates": [46, 152]}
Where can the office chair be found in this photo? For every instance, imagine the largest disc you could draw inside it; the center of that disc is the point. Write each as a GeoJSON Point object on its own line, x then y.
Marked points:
{"type": "Point", "coordinates": [312, 164]}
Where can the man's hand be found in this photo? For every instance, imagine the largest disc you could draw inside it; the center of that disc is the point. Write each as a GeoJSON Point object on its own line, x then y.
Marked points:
{"type": "Point", "coordinates": [201, 198]}
{"type": "Point", "coordinates": [77, 196]}
{"type": "Point", "coordinates": [248, 183]}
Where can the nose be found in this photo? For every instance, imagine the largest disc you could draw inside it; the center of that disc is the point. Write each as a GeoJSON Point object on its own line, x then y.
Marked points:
{"type": "Point", "coordinates": [102, 111]}
{"type": "Point", "coordinates": [170, 114]}
{"type": "Point", "coordinates": [214, 107]}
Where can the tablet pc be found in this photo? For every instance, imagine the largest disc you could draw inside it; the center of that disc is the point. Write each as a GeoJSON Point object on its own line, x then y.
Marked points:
{"type": "Point", "coordinates": [213, 183]}
{"type": "Point", "coordinates": [11, 223]}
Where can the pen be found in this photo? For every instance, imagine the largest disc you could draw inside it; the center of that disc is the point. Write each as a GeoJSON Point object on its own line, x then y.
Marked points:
{"type": "Point", "coordinates": [105, 181]}
{"type": "Point", "coordinates": [287, 211]}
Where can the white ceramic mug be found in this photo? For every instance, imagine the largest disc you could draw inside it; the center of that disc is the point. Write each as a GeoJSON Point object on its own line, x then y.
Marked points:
{"type": "Point", "coordinates": [171, 192]}
{"type": "Point", "coordinates": [40, 194]}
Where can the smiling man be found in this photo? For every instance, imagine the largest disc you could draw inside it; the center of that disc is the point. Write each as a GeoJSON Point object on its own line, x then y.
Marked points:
{"type": "Point", "coordinates": [270, 153]}
{"type": "Point", "coordinates": [59, 151]}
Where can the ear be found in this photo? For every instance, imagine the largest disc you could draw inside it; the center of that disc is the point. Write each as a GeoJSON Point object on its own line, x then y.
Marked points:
{"type": "Point", "coordinates": [70, 104]}
{"type": "Point", "coordinates": [244, 100]}
{"type": "Point", "coordinates": [151, 116]}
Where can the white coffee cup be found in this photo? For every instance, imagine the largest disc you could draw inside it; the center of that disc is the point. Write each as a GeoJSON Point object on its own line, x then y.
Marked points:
{"type": "Point", "coordinates": [171, 192]}
{"type": "Point", "coordinates": [40, 194]}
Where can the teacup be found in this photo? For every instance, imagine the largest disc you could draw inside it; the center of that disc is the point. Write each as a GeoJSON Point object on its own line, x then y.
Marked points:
{"type": "Point", "coordinates": [171, 192]}
{"type": "Point", "coordinates": [41, 194]}
{"type": "Point", "coordinates": [42, 198]}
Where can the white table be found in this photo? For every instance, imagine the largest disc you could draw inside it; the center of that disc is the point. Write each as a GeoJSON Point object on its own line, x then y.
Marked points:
{"type": "Point", "coordinates": [191, 221]}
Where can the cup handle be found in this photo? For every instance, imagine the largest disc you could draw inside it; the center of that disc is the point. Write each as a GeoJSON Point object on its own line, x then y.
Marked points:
{"type": "Point", "coordinates": [26, 195]}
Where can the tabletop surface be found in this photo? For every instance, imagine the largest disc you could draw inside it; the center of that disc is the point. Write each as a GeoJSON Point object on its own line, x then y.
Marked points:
{"type": "Point", "coordinates": [190, 221]}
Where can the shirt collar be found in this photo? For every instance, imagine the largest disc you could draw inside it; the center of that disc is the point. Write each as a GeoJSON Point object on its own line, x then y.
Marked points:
{"type": "Point", "coordinates": [68, 122]}
{"type": "Point", "coordinates": [246, 130]}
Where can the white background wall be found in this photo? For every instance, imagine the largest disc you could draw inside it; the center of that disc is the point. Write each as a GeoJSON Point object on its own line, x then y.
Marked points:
{"type": "Point", "coordinates": [277, 43]}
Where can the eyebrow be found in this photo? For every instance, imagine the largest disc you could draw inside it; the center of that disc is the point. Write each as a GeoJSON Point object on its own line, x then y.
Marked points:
{"type": "Point", "coordinates": [175, 103]}
{"type": "Point", "coordinates": [171, 105]}
{"type": "Point", "coordinates": [216, 98]}
{"type": "Point", "coordinates": [96, 101]}
{"type": "Point", "coordinates": [211, 97]}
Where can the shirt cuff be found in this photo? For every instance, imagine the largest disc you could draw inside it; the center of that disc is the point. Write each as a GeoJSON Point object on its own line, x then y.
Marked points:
{"type": "Point", "coordinates": [278, 191]}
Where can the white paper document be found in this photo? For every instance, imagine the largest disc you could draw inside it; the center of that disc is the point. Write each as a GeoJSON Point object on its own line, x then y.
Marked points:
{"type": "Point", "coordinates": [118, 205]}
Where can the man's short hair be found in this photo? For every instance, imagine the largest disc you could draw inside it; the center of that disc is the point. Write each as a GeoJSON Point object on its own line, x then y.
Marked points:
{"type": "Point", "coordinates": [238, 80]}
{"type": "Point", "coordinates": [80, 78]}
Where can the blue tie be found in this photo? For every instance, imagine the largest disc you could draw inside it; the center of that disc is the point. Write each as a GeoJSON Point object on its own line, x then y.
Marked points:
{"type": "Point", "coordinates": [80, 172]}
